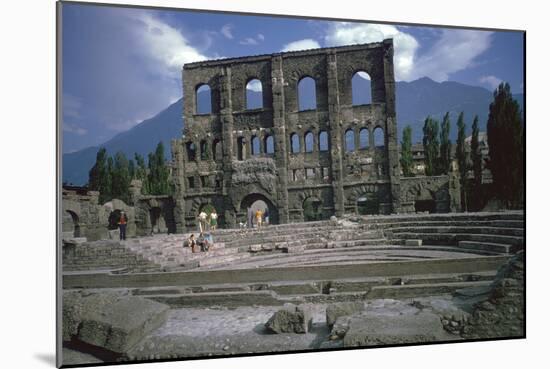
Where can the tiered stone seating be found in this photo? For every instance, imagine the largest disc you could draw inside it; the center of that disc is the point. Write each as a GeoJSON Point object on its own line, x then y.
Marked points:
{"type": "Point", "coordinates": [168, 252]}
{"type": "Point", "coordinates": [476, 232]}
{"type": "Point", "coordinates": [104, 255]}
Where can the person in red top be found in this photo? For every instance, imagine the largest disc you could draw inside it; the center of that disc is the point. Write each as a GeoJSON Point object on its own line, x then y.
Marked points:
{"type": "Point", "coordinates": [122, 225]}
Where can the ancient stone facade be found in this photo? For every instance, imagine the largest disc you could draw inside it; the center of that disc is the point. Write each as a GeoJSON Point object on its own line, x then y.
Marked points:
{"type": "Point", "coordinates": [223, 158]}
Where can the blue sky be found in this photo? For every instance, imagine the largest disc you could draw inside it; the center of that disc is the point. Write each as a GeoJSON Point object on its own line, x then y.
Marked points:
{"type": "Point", "coordinates": [123, 65]}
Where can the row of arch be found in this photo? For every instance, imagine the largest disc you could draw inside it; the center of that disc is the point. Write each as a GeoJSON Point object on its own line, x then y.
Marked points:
{"type": "Point", "coordinates": [307, 95]}
{"type": "Point", "coordinates": [266, 145]}
{"type": "Point", "coordinates": [361, 140]}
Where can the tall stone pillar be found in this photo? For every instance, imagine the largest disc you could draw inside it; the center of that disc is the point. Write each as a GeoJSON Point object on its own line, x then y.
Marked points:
{"type": "Point", "coordinates": [178, 179]}
{"type": "Point", "coordinates": [391, 144]}
{"type": "Point", "coordinates": [281, 158]}
{"type": "Point", "coordinates": [226, 120]}
{"type": "Point", "coordinates": [336, 142]}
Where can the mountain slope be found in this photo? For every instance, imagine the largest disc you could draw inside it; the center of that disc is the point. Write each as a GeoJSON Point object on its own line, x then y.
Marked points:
{"type": "Point", "coordinates": [142, 139]}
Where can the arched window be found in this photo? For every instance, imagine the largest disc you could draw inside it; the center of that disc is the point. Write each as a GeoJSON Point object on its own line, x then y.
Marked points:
{"type": "Point", "coordinates": [255, 147]}
{"type": "Point", "coordinates": [360, 89]}
{"type": "Point", "coordinates": [363, 138]}
{"type": "Point", "coordinates": [216, 150]}
{"type": "Point", "coordinates": [378, 137]}
{"type": "Point", "coordinates": [269, 145]}
{"type": "Point", "coordinates": [254, 94]}
{"type": "Point", "coordinates": [203, 99]}
{"type": "Point", "coordinates": [307, 98]}
{"type": "Point", "coordinates": [191, 151]}
{"type": "Point", "coordinates": [294, 143]}
{"type": "Point", "coordinates": [323, 141]}
{"type": "Point", "coordinates": [309, 142]}
{"type": "Point", "coordinates": [349, 140]}
{"type": "Point", "coordinates": [204, 150]}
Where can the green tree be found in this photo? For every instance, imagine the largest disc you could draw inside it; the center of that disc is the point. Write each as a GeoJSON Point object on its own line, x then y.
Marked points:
{"type": "Point", "coordinates": [141, 173]}
{"type": "Point", "coordinates": [158, 176]}
{"type": "Point", "coordinates": [406, 152]}
{"type": "Point", "coordinates": [462, 159]}
{"type": "Point", "coordinates": [106, 194]}
{"type": "Point", "coordinates": [96, 176]}
{"type": "Point", "coordinates": [120, 182]}
{"type": "Point", "coordinates": [131, 169]}
{"type": "Point", "coordinates": [430, 142]}
{"type": "Point", "coordinates": [445, 146]}
{"type": "Point", "coordinates": [506, 151]}
{"type": "Point", "coordinates": [476, 159]}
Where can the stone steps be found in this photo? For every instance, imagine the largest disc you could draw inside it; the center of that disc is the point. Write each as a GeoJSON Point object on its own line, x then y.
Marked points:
{"type": "Point", "coordinates": [488, 246]}
{"type": "Point", "coordinates": [418, 290]}
{"type": "Point", "coordinates": [456, 222]}
{"type": "Point", "coordinates": [454, 238]}
{"type": "Point", "coordinates": [519, 232]}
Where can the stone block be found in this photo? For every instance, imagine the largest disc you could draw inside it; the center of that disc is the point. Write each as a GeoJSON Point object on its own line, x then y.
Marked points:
{"type": "Point", "coordinates": [111, 321]}
{"type": "Point", "coordinates": [365, 330]}
{"type": "Point", "coordinates": [413, 242]}
{"type": "Point", "coordinates": [334, 311]}
{"type": "Point", "coordinates": [290, 319]}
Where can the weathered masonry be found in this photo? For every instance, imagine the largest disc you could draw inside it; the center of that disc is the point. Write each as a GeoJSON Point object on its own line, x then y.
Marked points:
{"type": "Point", "coordinates": [303, 161]}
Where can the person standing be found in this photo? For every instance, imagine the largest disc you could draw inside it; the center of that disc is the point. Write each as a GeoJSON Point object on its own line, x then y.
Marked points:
{"type": "Point", "coordinates": [213, 220]}
{"type": "Point", "coordinates": [266, 216]}
{"type": "Point", "coordinates": [202, 221]}
{"type": "Point", "coordinates": [122, 225]}
{"type": "Point", "coordinates": [259, 218]}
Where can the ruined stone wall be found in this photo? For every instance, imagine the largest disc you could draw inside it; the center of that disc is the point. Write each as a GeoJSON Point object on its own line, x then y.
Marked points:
{"type": "Point", "coordinates": [441, 191]}
{"type": "Point", "coordinates": [210, 157]}
{"type": "Point", "coordinates": [83, 216]}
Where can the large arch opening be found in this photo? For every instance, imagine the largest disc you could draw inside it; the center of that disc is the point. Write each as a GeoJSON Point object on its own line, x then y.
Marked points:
{"type": "Point", "coordinates": [368, 204]}
{"type": "Point", "coordinates": [307, 98]}
{"type": "Point", "coordinates": [70, 225]}
{"type": "Point", "coordinates": [256, 201]}
{"type": "Point", "coordinates": [313, 209]}
{"type": "Point", "coordinates": [361, 93]}
{"type": "Point", "coordinates": [254, 94]}
{"type": "Point", "coordinates": [203, 98]}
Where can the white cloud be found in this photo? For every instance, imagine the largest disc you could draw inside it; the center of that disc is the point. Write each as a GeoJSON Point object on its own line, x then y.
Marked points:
{"type": "Point", "coordinates": [227, 31]}
{"type": "Point", "coordinates": [455, 50]}
{"type": "Point", "coordinates": [166, 44]}
{"type": "Point", "coordinates": [260, 37]}
{"type": "Point", "coordinates": [344, 33]}
{"type": "Point", "coordinates": [363, 75]}
{"type": "Point", "coordinates": [305, 44]}
{"type": "Point", "coordinates": [490, 81]}
{"type": "Point", "coordinates": [254, 85]}
{"type": "Point", "coordinates": [73, 128]}
{"type": "Point", "coordinates": [249, 41]}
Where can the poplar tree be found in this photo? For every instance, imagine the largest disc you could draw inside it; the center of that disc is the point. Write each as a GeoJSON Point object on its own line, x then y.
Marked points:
{"type": "Point", "coordinates": [445, 146]}
{"type": "Point", "coordinates": [430, 142]}
{"type": "Point", "coordinates": [120, 182]}
{"type": "Point", "coordinates": [506, 151]}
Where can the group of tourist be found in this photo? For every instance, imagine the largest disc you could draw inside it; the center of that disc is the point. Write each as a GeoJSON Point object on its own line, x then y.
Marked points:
{"type": "Point", "coordinates": [208, 221]}
{"type": "Point", "coordinates": [201, 244]}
